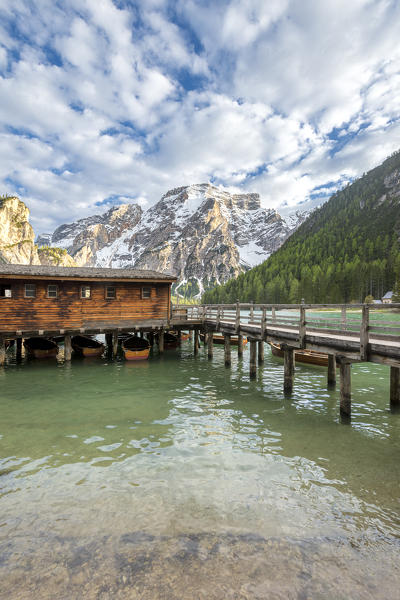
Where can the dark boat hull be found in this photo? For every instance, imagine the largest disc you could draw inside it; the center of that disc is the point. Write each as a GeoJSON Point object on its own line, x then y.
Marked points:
{"type": "Point", "coordinates": [310, 357]}
{"type": "Point", "coordinates": [136, 348]}
{"type": "Point", "coordinates": [87, 346]}
{"type": "Point", "coordinates": [219, 339]}
{"type": "Point", "coordinates": [41, 347]}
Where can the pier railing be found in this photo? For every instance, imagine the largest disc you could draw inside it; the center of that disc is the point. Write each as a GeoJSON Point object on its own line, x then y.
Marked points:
{"type": "Point", "coordinates": [364, 322]}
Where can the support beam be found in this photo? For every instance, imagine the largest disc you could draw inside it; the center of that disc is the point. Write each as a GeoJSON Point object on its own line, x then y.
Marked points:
{"type": "Point", "coordinates": [161, 341]}
{"type": "Point", "coordinates": [109, 343]}
{"type": "Point", "coordinates": [205, 338]}
{"type": "Point", "coordinates": [210, 345]}
{"type": "Point", "coordinates": [227, 348]}
{"type": "Point", "coordinates": [260, 352]}
{"type": "Point", "coordinates": [196, 342]}
{"type": "Point", "coordinates": [253, 358]}
{"type": "Point", "coordinates": [67, 347]}
{"type": "Point", "coordinates": [2, 351]}
{"type": "Point", "coordinates": [345, 388]}
{"type": "Point", "coordinates": [394, 386]}
{"type": "Point", "coordinates": [288, 376]}
{"type": "Point", "coordinates": [331, 370]}
{"type": "Point", "coordinates": [115, 343]}
{"type": "Point", "coordinates": [240, 346]}
{"type": "Point", "coordinates": [18, 352]}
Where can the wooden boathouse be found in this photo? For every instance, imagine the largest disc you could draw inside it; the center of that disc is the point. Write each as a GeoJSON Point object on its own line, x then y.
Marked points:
{"type": "Point", "coordinates": [40, 300]}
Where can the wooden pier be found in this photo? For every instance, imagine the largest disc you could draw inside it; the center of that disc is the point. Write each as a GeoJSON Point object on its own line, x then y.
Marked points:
{"type": "Point", "coordinates": [345, 333]}
{"type": "Point", "coordinates": [356, 335]}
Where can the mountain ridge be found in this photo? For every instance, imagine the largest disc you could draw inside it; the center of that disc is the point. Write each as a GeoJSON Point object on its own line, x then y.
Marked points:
{"type": "Point", "coordinates": [203, 234]}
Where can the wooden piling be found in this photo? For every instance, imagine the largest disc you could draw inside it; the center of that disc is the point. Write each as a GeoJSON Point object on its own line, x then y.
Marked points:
{"type": "Point", "coordinates": [18, 352]}
{"type": "Point", "coordinates": [115, 343]}
{"type": "Point", "coordinates": [205, 338]}
{"type": "Point", "coordinates": [227, 348]}
{"type": "Point", "coordinates": [196, 342]}
{"type": "Point", "coordinates": [109, 343]}
{"type": "Point", "coordinates": [2, 351]}
{"type": "Point", "coordinates": [67, 347]}
{"type": "Point", "coordinates": [253, 358]}
{"type": "Point", "coordinates": [394, 386]}
{"type": "Point", "coordinates": [260, 351]}
{"type": "Point", "coordinates": [331, 379]}
{"type": "Point", "coordinates": [345, 388]}
{"type": "Point", "coordinates": [288, 376]}
{"type": "Point", "coordinates": [240, 346]}
{"type": "Point", "coordinates": [210, 345]}
{"type": "Point", "coordinates": [161, 341]}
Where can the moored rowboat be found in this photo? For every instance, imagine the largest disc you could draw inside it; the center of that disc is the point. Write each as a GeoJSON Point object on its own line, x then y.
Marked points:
{"type": "Point", "coordinates": [136, 348]}
{"type": "Point", "coordinates": [220, 339]}
{"type": "Point", "coordinates": [310, 357]}
{"type": "Point", "coordinates": [40, 347]}
{"type": "Point", "coordinates": [87, 346]}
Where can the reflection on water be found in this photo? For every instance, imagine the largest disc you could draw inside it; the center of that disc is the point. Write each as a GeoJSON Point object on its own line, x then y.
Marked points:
{"type": "Point", "coordinates": [179, 478]}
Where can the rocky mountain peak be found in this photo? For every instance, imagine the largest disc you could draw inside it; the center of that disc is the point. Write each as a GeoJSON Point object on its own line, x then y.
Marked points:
{"type": "Point", "coordinates": [202, 233]}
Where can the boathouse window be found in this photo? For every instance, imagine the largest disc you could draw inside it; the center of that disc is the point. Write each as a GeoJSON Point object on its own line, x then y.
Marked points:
{"type": "Point", "coordinates": [85, 291]}
{"type": "Point", "coordinates": [30, 290]}
{"type": "Point", "coordinates": [52, 291]}
{"type": "Point", "coordinates": [110, 291]}
{"type": "Point", "coordinates": [146, 292]}
{"type": "Point", "coordinates": [5, 291]}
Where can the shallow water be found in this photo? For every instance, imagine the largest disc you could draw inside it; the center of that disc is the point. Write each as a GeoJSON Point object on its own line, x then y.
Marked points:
{"type": "Point", "coordinates": [180, 478]}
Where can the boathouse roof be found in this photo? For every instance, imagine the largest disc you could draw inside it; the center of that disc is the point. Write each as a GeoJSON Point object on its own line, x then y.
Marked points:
{"type": "Point", "coordinates": [46, 271]}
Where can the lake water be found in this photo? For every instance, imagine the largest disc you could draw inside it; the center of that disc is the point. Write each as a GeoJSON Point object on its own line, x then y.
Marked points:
{"type": "Point", "coordinates": [178, 478]}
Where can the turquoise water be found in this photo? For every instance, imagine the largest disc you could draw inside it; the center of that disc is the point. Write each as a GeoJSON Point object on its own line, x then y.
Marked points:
{"type": "Point", "coordinates": [180, 478]}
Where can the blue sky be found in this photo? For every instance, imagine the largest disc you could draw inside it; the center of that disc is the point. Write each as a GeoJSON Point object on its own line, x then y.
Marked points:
{"type": "Point", "coordinates": [104, 102]}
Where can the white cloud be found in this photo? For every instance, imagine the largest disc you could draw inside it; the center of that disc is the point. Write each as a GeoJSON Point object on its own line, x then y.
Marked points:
{"type": "Point", "coordinates": [279, 97]}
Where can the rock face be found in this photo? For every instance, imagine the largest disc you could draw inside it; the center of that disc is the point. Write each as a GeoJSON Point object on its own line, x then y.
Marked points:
{"type": "Point", "coordinates": [17, 238]}
{"type": "Point", "coordinates": [202, 234]}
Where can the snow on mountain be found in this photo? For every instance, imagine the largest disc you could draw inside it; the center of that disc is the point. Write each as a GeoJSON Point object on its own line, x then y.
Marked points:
{"type": "Point", "coordinates": [201, 233]}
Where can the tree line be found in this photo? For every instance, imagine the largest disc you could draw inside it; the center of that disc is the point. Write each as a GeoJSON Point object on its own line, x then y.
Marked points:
{"type": "Point", "coordinates": [346, 250]}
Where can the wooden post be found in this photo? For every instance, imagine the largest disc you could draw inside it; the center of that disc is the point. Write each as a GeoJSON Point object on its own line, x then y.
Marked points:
{"type": "Point", "coordinates": [18, 353]}
{"type": "Point", "coordinates": [218, 317]}
{"type": "Point", "coordinates": [273, 312]}
{"type": "Point", "coordinates": [252, 311]}
{"type": "Point", "coordinates": [196, 342]}
{"type": "Point", "coordinates": [331, 370]}
{"type": "Point", "coordinates": [263, 322]}
{"type": "Point", "coordinates": [364, 333]}
{"type": "Point", "coordinates": [67, 347]}
{"type": "Point", "coordinates": [288, 376]}
{"type": "Point", "coordinates": [344, 319]}
{"type": "Point", "coordinates": [240, 346]}
{"type": "Point", "coordinates": [227, 348]}
{"type": "Point", "coordinates": [260, 351]}
{"type": "Point", "coordinates": [2, 351]}
{"type": "Point", "coordinates": [190, 334]}
{"type": "Point", "coordinates": [345, 388]}
{"type": "Point", "coordinates": [114, 343]}
{"type": "Point", "coordinates": [205, 338]}
{"type": "Point", "coordinates": [302, 327]}
{"type": "Point", "coordinates": [237, 320]}
{"type": "Point", "coordinates": [161, 341]}
{"type": "Point", "coordinates": [109, 343]}
{"type": "Point", "coordinates": [210, 345]}
{"type": "Point", "coordinates": [394, 386]}
{"type": "Point", "coordinates": [253, 358]}
{"type": "Point", "coordinates": [179, 335]}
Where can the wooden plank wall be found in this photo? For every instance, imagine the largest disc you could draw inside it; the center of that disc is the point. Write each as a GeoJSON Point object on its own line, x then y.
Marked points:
{"type": "Point", "coordinates": [69, 310]}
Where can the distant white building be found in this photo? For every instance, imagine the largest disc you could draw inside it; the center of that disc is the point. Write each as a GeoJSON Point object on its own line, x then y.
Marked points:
{"type": "Point", "coordinates": [387, 298]}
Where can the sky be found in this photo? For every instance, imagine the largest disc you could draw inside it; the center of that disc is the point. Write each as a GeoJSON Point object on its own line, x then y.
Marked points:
{"type": "Point", "coordinates": [104, 102]}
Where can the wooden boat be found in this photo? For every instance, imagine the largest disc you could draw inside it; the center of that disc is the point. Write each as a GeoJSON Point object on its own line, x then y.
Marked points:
{"type": "Point", "coordinates": [218, 338]}
{"type": "Point", "coordinates": [184, 335]}
{"type": "Point", "coordinates": [40, 347]}
{"type": "Point", "coordinates": [170, 340]}
{"type": "Point", "coordinates": [310, 357]}
{"type": "Point", "coordinates": [136, 348]}
{"type": "Point", "coordinates": [87, 346]}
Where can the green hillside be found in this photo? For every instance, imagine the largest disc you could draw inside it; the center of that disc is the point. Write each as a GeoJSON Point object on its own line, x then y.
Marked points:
{"type": "Point", "coordinates": [347, 249]}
